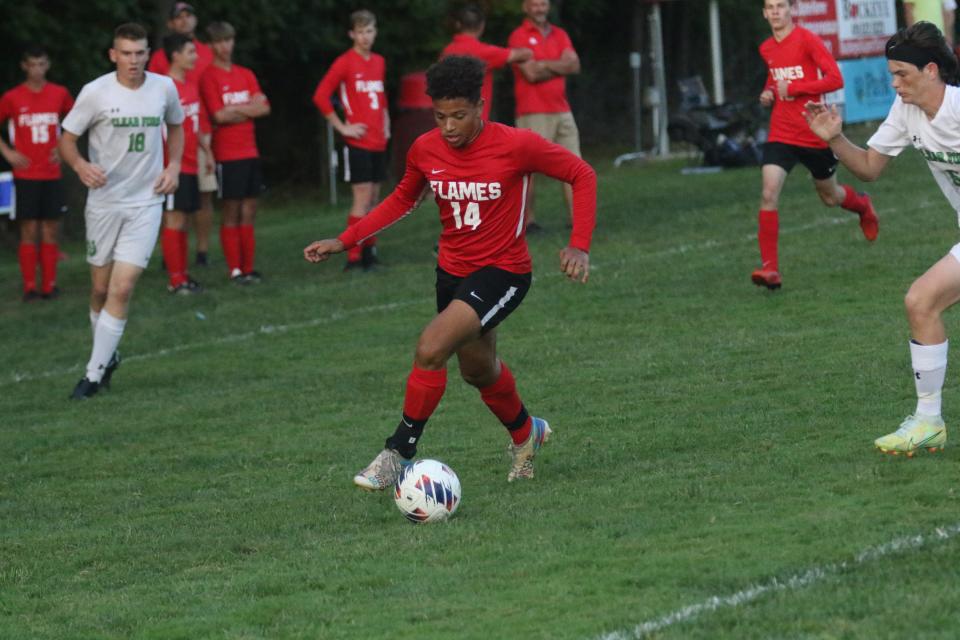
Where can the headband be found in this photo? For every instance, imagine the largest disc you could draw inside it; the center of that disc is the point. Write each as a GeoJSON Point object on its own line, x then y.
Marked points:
{"type": "Point", "coordinates": [908, 53]}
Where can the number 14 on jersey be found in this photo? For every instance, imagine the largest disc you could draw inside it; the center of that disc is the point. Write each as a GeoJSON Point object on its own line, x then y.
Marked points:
{"type": "Point", "coordinates": [471, 215]}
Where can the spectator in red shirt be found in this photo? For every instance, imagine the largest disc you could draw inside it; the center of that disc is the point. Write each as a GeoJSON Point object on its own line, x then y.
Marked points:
{"type": "Point", "coordinates": [34, 110]}
{"type": "Point", "coordinates": [183, 20]}
{"type": "Point", "coordinates": [540, 87]}
{"type": "Point", "coordinates": [477, 171]}
{"type": "Point", "coordinates": [232, 97]}
{"type": "Point", "coordinates": [185, 201]}
{"type": "Point", "coordinates": [801, 71]}
{"type": "Point", "coordinates": [358, 75]}
{"type": "Point", "coordinates": [470, 24]}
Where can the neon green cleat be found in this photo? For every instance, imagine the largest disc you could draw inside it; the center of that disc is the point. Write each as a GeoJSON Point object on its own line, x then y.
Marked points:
{"type": "Point", "coordinates": [916, 432]}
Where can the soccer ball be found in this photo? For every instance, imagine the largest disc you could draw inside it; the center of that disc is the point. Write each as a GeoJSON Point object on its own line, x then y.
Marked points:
{"type": "Point", "coordinates": [427, 491]}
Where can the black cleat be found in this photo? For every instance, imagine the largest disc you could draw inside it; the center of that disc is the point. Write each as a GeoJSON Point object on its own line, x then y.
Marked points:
{"type": "Point", "coordinates": [30, 296]}
{"type": "Point", "coordinates": [253, 277]}
{"type": "Point", "coordinates": [112, 366]}
{"type": "Point", "coordinates": [85, 389]}
{"type": "Point", "coordinates": [534, 228]}
{"type": "Point", "coordinates": [53, 294]}
{"type": "Point", "coordinates": [202, 260]}
{"type": "Point", "coordinates": [352, 264]}
{"type": "Point", "coordinates": [236, 277]}
{"type": "Point", "coordinates": [369, 259]}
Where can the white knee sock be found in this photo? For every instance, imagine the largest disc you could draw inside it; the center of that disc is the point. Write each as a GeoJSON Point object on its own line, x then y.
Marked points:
{"type": "Point", "coordinates": [106, 337]}
{"type": "Point", "coordinates": [94, 316]}
{"type": "Point", "coordinates": [929, 369]}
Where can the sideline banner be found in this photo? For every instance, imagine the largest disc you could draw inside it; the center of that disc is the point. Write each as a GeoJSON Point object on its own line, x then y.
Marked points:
{"type": "Point", "coordinates": [866, 94]}
{"type": "Point", "coordinates": [6, 193]}
{"type": "Point", "coordinates": [849, 28]}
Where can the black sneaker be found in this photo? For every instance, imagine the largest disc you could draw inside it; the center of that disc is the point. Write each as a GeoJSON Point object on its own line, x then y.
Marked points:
{"type": "Point", "coordinates": [534, 228]}
{"type": "Point", "coordinates": [195, 287]}
{"type": "Point", "coordinates": [53, 294]}
{"type": "Point", "coordinates": [253, 277]}
{"type": "Point", "coordinates": [369, 260]}
{"type": "Point", "coordinates": [30, 296]}
{"type": "Point", "coordinates": [85, 389]}
{"type": "Point", "coordinates": [237, 277]}
{"type": "Point", "coordinates": [112, 366]}
{"type": "Point", "coordinates": [352, 264]}
{"type": "Point", "coordinates": [202, 260]}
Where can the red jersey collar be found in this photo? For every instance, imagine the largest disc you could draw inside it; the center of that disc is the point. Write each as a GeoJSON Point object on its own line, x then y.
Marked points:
{"type": "Point", "coordinates": [529, 26]}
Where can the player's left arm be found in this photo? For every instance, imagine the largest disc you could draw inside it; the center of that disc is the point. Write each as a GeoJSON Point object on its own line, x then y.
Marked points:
{"type": "Point", "coordinates": [259, 106]}
{"type": "Point", "coordinates": [830, 80]}
{"type": "Point", "coordinates": [559, 163]}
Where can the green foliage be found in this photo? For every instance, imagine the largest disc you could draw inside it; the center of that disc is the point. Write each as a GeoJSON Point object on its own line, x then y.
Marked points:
{"type": "Point", "coordinates": [710, 436]}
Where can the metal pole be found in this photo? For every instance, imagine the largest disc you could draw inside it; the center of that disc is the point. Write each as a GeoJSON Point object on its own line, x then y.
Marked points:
{"type": "Point", "coordinates": [334, 164]}
{"type": "Point", "coordinates": [716, 55]}
{"type": "Point", "coordinates": [660, 80]}
{"type": "Point", "coordinates": [637, 102]}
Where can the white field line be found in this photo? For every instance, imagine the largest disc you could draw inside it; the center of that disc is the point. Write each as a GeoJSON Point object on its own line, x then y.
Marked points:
{"type": "Point", "coordinates": [800, 580]}
{"type": "Point", "coordinates": [268, 329]}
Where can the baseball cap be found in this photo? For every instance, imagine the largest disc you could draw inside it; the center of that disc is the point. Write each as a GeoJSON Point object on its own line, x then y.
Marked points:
{"type": "Point", "coordinates": [180, 7]}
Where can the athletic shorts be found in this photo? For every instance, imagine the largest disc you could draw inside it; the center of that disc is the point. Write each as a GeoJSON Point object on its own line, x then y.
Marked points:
{"type": "Point", "coordinates": [555, 127]}
{"type": "Point", "coordinates": [39, 199]}
{"type": "Point", "coordinates": [208, 181]}
{"type": "Point", "coordinates": [821, 163]}
{"type": "Point", "coordinates": [362, 165]}
{"type": "Point", "coordinates": [240, 179]}
{"type": "Point", "coordinates": [122, 234]}
{"type": "Point", "coordinates": [187, 196]}
{"type": "Point", "coordinates": [493, 293]}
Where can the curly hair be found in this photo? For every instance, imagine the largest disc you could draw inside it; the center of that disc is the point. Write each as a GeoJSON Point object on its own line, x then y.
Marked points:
{"type": "Point", "coordinates": [926, 37]}
{"type": "Point", "coordinates": [455, 77]}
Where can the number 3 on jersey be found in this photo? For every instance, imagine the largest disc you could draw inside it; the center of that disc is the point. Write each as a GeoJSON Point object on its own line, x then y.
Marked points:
{"type": "Point", "coordinates": [471, 215]}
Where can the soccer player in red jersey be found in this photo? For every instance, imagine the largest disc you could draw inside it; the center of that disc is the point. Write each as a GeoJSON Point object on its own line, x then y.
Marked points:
{"type": "Point", "coordinates": [801, 70]}
{"type": "Point", "coordinates": [478, 172]}
{"type": "Point", "coordinates": [359, 75]}
{"type": "Point", "coordinates": [470, 23]}
{"type": "Point", "coordinates": [182, 54]}
{"type": "Point", "coordinates": [183, 20]}
{"type": "Point", "coordinates": [34, 110]}
{"type": "Point", "coordinates": [232, 97]}
{"type": "Point", "coordinates": [540, 87]}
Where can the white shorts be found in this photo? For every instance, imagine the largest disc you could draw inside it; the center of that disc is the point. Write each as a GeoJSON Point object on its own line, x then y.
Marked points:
{"type": "Point", "coordinates": [208, 181]}
{"type": "Point", "coordinates": [125, 234]}
{"type": "Point", "coordinates": [955, 251]}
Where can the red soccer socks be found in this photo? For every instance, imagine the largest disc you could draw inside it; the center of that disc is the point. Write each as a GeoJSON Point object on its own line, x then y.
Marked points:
{"type": "Point", "coordinates": [861, 204]}
{"type": "Point", "coordinates": [504, 401]}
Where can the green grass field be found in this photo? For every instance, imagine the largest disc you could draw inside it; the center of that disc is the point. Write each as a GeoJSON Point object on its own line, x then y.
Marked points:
{"type": "Point", "coordinates": [710, 438]}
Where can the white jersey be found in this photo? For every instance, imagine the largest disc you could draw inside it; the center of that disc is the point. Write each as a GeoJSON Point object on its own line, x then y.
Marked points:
{"type": "Point", "coordinates": [126, 140]}
{"type": "Point", "coordinates": [937, 140]}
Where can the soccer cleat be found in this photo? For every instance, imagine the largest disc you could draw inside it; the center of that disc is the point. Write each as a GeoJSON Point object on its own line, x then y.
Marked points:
{"type": "Point", "coordinates": [523, 454]}
{"type": "Point", "coordinates": [30, 296]}
{"type": "Point", "coordinates": [352, 264]}
{"type": "Point", "coordinates": [916, 432]}
{"type": "Point", "coordinates": [869, 223]}
{"type": "Point", "coordinates": [253, 277]}
{"type": "Point", "coordinates": [769, 278]}
{"type": "Point", "coordinates": [202, 259]}
{"type": "Point", "coordinates": [369, 259]}
{"type": "Point", "coordinates": [53, 294]}
{"type": "Point", "coordinates": [237, 277]}
{"type": "Point", "coordinates": [382, 472]}
{"type": "Point", "coordinates": [85, 389]}
{"type": "Point", "coordinates": [112, 366]}
{"type": "Point", "coordinates": [534, 228]}
{"type": "Point", "coordinates": [182, 289]}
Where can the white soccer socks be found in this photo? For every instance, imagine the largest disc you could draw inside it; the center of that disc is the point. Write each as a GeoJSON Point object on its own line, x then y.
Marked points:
{"type": "Point", "coordinates": [929, 369]}
{"type": "Point", "coordinates": [106, 337]}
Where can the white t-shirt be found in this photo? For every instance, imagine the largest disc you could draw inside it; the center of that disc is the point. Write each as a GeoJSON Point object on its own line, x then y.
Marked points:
{"type": "Point", "coordinates": [125, 135]}
{"type": "Point", "coordinates": [937, 140]}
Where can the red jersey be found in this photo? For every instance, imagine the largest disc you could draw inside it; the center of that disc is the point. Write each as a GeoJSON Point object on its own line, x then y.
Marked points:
{"type": "Point", "coordinates": [481, 191]}
{"type": "Point", "coordinates": [220, 88]}
{"type": "Point", "coordinates": [195, 123]}
{"type": "Point", "coordinates": [549, 96]}
{"type": "Point", "coordinates": [494, 57]}
{"type": "Point", "coordinates": [34, 118]}
{"type": "Point", "coordinates": [160, 64]}
{"type": "Point", "coordinates": [360, 83]}
{"type": "Point", "coordinates": [803, 60]}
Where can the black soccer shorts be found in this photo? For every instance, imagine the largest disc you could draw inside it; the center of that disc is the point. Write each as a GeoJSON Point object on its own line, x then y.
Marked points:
{"type": "Point", "coordinates": [821, 163]}
{"type": "Point", "coordinates": [493, 293]}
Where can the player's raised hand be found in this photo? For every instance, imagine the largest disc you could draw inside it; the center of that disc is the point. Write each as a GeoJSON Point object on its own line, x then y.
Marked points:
{"type": "Point", "coordinates": [824, 121]}
{"type": "Point", "coordinates": [322, 249]}
{"type": "Point", "coordinates": [91, 175]}
{"type": "Point", "coordinates": [575, 264]}
{"type": "Point", "coordinates": [767, 98]}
